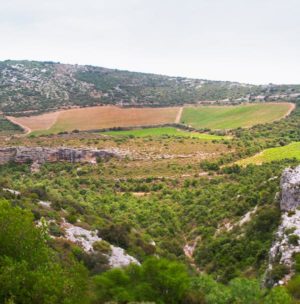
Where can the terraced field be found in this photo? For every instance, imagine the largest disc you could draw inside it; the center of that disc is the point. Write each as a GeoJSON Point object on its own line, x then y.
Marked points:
{"type": "Point", "coordinates": [231, 117]}
{"type": "Point", "coordinates": [164, 131]}
{"type": "Point", "coordinates": [274, 154]}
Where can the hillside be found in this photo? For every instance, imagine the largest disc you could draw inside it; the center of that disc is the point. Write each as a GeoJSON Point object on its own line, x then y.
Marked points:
{"type": "Point", "coordinates": [186, 209]}
{"type": "Point", "coordinates": [30, 86]}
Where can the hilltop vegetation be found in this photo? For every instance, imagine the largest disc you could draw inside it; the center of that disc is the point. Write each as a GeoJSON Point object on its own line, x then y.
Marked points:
{"type": "Point", "coordinates": [30, 86]}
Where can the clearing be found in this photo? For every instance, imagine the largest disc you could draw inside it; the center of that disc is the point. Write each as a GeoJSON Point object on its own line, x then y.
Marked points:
{"type": "Point", "coordinates": [273, 154]}
{"type": "Point", "coordinates": [230, 117]}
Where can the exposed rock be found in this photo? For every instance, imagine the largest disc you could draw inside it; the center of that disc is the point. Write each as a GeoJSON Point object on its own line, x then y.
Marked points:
{"type": "Point", "coordinates": [247, 217]}
{"type": "Point", "coordinates": [40, 155]}
{"type": "Point", "coordinates": [290, 189]}
{"type": "Point", "coordinates": [15, 192]}
{"type": "Point", "coordinates": [283, 249]}
{"type": "Point", "coordinates": [86, 239]}
{"type": "Point", "coordinates": [44, 204]}
{"type": "Point", "coordinates": [35, 167]}
{"type": "Point", "coordinates": [228, 226]}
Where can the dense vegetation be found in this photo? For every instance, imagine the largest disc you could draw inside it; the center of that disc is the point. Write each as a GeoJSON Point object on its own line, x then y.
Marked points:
{"type": "Point", "coordinates": [152, 208]}
{"type": "Point", "coordinates": [172, 213]}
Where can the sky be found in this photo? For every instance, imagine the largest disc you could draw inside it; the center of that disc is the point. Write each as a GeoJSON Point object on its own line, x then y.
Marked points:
{"type": "Point", "coordinates": [252, 41]}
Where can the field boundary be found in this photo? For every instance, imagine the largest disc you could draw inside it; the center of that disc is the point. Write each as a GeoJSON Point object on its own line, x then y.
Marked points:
{"type": "Point", "coordinates": [173, 125]}
{"type": "Point", "coordinates": [179, 114]}
{"type": "Point", "coordinates": [26, 129]}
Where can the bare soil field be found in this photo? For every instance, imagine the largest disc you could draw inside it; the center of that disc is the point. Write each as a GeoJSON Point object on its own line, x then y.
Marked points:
{"type": "Point", "coordinates": [34, 123]}
{"type": "Point", "coordinates": [92, 118]}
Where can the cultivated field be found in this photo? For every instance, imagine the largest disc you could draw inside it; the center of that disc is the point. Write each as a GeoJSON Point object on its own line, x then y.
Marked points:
{"type": "Point", "coordinates": [93, 118]}
{"type": "Point", "coordinates": [104, 117]}
{"type": "Point", "coordinates": [230, 117]}
{"type": "Point", "coordinates": [163, 131]}
{"type": "Point", "coordinates": [273, 154]}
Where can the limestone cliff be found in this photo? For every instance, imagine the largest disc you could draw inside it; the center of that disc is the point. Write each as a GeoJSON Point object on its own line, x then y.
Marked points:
{"type": "Point", "coordinates": [41, 155]}
{"type": "Point", "coordinates": [286, 242]}
{"type": "Point", "coordinates": [290, 189]}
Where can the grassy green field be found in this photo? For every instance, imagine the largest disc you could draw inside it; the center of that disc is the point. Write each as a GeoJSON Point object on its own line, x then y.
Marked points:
{"type": "Point", "coordinates": [273, 154]}
{"type": "Point", "coordinates": [163, 131]}
{"type": "Point", "coordinates": [230, 117]}
{"type": "Point", "coordinates": [8, 127]}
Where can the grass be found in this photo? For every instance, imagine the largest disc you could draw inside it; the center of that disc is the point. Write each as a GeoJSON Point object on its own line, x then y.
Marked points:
{"type": "Point", "coordinates": [231, 117]}
{"type": "Point", "coordinates": [273, 154]}
{"type": "Point", "coordinates": [164, 131]}
{"type": "Point", "coordinates": [7, 127]}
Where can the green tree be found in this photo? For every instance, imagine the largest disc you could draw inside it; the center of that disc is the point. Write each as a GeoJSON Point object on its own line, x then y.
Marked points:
{"type": "Point", "coordinates": [278, 295]}
{"type": "Point", "coordinates": [30, 271]}
{"type": "Point", "coordinates": [157, 280]}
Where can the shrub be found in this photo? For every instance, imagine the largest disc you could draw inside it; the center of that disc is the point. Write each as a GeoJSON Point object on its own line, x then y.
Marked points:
{"type": "Point", "coordinates": [102, 246]}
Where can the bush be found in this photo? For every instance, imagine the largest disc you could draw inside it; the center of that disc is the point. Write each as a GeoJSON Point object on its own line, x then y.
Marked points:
{"type": "Point", "coordinates": [278, 272]}
{"type": "Point", "coordinates": [293, 287]}
{"type": "Point", "coordinates": [102, 246]}
{"type": "Point", "coordinates": [293, 239]}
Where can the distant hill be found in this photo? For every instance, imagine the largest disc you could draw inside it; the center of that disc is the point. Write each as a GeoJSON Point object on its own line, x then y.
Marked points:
{"type": "Point", "coordinates": [43, 86]}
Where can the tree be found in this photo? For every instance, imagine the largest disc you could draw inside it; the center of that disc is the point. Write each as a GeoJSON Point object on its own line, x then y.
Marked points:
{"type": "Point", "coordinates": [278, 295]}
{"type": "Point", "coordinates": [30, 271]}
{"type": "Point", "coordinates": [157, 280]}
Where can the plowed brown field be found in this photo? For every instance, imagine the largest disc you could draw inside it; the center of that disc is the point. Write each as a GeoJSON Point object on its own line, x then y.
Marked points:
{"type": "Point", "coordinates": [92, 118]}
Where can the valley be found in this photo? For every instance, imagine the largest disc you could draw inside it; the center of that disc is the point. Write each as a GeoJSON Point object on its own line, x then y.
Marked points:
{"type": "Point", "coordinates": [120, 203]}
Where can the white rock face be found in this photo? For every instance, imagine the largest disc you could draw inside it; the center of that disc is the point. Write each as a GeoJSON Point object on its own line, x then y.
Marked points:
{"type": "Point", "coordinates": [290, 189]}
{"type": "Point", "coordinates": [282, 247]}
{"type": "Point", "coordinates": [86, 239]}
{"type": "Point", "coordinates": [119, 258]}
{"type": "Point", "coordinates": [282, 250]}
{"type": "Point", "coordinates": [247, 217]}
{"type": "Point", "coordinates": [15, 192]}
{"type": "Point", "coordinates": [44, 204]}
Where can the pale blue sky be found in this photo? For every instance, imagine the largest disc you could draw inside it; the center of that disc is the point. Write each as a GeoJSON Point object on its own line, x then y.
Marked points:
{"type": "Point", "coordinates": [255, 41]}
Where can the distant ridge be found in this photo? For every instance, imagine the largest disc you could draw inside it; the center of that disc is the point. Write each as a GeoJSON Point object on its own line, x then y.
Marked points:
{"type": "Point", "coordinates": [44, 86]}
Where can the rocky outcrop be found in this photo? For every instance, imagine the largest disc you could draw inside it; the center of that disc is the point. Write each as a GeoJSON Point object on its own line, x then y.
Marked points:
{"type": "Point", "coordinates": [290, 189]}
{"type": "Point", "coordinates": [86, 238]}
{"type": "Point", "coordinates": [40, 155]}
{"type": "Point", "coordinates": [287, 238]}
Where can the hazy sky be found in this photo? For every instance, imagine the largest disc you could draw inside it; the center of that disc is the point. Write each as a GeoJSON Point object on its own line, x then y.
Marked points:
{"type": "Point", "coordinates": [254, 41]}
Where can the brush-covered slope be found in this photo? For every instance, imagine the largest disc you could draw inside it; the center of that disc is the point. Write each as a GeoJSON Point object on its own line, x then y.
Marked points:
{"type": "Point", "coordinates": [42, 86]}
